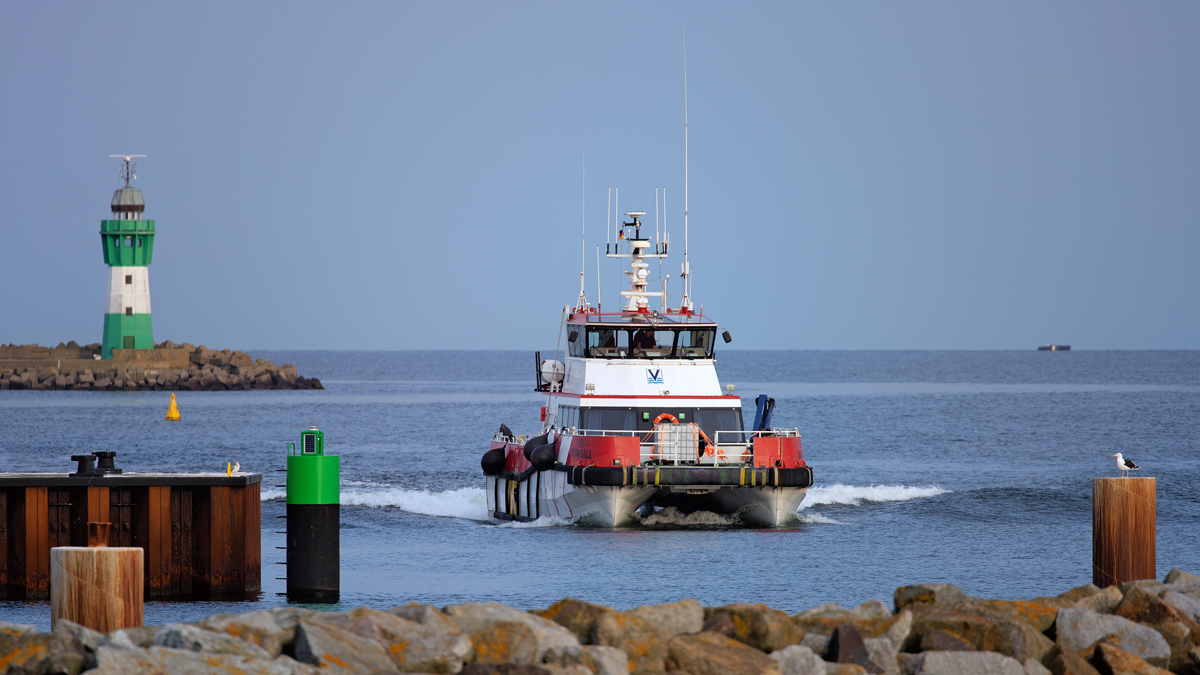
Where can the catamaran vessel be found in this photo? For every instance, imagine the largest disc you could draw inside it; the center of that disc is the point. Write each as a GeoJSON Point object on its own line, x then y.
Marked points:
{"type": "Point", "coordinates": [635, 418]}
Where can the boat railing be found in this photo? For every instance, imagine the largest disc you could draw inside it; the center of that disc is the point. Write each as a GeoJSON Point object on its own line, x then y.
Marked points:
{"type": "Point", "coordinates": [680, 443]}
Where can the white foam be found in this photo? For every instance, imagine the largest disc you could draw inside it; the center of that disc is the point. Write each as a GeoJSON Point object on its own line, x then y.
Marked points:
{"type": "Point", "coordinates": [469, 503]}
{"type": "Point", "coordinates": [544, 521]}
{"type": "Point", "coordinates": [854, 495]}
{"type": "Point", "coordinates": [816, 518]}
{"type": "Point", "coordinates": [673, 517]}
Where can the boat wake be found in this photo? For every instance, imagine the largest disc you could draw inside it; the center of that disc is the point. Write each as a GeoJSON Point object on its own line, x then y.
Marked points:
{"type": "Point", "coordinates": [471, 504]}
{"type": "Point", "coordinates": [853, 495]}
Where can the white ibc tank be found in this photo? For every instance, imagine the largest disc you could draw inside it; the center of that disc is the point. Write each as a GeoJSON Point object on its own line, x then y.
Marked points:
{"type": "Point", "coordinates": [553, 371]}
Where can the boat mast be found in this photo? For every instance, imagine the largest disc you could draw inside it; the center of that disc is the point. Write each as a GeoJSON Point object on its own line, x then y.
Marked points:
{"type": "Point", "coordinates": [685, 266]}
{"type": "Point", "coordinates": [583, 303]}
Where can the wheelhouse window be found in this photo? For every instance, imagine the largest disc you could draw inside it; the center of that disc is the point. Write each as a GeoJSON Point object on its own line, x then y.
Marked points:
{"type": "Point", "coordinates": [653, 344]}
{"type": "Point", "coordinates": [696, 343]}
{"type": "Point", "coordinates": [608, 343]}
{"type": "Point", "coordinates": [644, 342]}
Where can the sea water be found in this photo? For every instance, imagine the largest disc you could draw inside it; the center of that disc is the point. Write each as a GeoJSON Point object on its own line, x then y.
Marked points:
{"type": "Point", "coordinates": [972, 468]}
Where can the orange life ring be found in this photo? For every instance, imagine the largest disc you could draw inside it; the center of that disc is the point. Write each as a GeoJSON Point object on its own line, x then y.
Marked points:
{"type": "Point", "coordinates": [674, 419]}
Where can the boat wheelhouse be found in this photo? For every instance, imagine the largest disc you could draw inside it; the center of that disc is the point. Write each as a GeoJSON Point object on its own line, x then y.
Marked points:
{"type": "Point", "coordinates": [636, 418]}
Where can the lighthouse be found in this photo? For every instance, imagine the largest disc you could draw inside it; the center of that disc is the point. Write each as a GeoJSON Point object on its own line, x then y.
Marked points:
{"type": "Point", "coordinates": [128, 243]}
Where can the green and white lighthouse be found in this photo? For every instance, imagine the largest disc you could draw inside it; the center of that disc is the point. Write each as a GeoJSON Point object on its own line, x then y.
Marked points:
{"type": "Point", "coordinates": [128, 243]}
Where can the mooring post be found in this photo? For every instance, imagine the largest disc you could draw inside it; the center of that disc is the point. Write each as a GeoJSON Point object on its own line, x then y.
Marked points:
{"type": "Point", "coordinates": [313, 519]}
{"type": "Point", "coordinates": [96, 586]}
{"type": "Point", "coordinates": [1123, 530]}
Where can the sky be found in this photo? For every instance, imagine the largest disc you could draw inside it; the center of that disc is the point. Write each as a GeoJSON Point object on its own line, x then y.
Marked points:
{"type": "Point", "coordinates": [866, 175]}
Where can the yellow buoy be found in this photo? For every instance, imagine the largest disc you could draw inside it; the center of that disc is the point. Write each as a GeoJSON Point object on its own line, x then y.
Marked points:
{"type": "Point", "coordinates": [229, 468]}
{"type": "Point", "coordinates": [173, 410]}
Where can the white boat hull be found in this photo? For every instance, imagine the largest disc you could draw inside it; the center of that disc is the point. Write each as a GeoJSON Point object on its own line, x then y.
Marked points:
{"type": "Point", "coordinates": [548, 494]}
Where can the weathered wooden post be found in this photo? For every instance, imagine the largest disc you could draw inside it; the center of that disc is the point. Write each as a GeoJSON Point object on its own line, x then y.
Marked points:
{"type": "Point", "coordinates": [96, 586]}
{"type": "Point", "coordinates": [1123, 530]}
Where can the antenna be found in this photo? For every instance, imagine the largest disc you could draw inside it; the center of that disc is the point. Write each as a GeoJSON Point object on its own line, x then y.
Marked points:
{"type": "Point", "coordinates": [607, 229]}
{"type": "Point", "coordinates": [598, 296]}
{"type": "Point", "coordinates": [129, 171]}
{"type": "Point", "coordinates": [583, 234]}
{"type": "Point", "coordinates": [686, 271]}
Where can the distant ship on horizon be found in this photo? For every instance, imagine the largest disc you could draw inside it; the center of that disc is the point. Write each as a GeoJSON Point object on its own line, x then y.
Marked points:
{"type": "Point", "coordinates": [1054, 348]}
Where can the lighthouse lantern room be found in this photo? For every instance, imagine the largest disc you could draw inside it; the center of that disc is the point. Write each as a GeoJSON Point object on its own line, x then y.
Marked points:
{"type": "Point", "coordinates": [128, 243]}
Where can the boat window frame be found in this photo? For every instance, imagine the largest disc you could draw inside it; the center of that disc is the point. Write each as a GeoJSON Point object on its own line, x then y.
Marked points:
{"type": "Point", "coordinates": [589, 347]}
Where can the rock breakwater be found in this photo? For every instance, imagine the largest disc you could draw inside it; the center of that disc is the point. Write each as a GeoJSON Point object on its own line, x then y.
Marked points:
{"type": "Point", "coordinates": [167, 367]}
{"type": "Point", "coordinates": [1139, 628]}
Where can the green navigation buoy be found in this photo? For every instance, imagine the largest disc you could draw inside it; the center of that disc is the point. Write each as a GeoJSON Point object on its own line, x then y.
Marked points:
{"type": "Point", "coordinates": [313, 520]}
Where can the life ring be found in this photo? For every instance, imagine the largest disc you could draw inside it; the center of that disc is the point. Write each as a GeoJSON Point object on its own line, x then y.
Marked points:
{"type": "Point", "coordinates": [674, 419]}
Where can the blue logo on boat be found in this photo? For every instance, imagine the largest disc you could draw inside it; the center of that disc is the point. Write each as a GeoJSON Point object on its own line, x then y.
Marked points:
{"type": "Point", "coordinates": [653, 376]}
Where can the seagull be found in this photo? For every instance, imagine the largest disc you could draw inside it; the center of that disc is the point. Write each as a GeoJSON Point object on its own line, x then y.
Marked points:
{"type": "Point", "coordinates": [237, 466]}
{"type": "Point", "coordinates": [1125, 465]}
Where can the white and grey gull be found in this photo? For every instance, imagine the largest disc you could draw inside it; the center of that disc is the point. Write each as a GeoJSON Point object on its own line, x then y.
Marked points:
{"type": "Point", "coordinates": [1125, 465]}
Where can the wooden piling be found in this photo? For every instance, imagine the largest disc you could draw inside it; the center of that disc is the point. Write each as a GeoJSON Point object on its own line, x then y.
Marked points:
{"type": "Point", "coordinates": [97, 587]}
{"type": "Point", "coordinates": [1123, 530]}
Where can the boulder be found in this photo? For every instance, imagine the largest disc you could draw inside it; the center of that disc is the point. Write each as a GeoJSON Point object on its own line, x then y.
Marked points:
{"type": "Point", "coordinates": [603, 660]}
{"type": "Point", "coordinates": [825, 622]}
{"type": "Point", "coordinates": [14, 629]}
{"type": "Point", "coordinates": [847, 646]}
{"type": "Point", "coordinates": [505, 642]}
{"type": "Point", "coordinates": [1062, 661]}
{"type": "Point", "coordinates": [972, 627]}
{"type": "Point", "coordinates": [1177, 576]}
{"type": "Point", "coordinates": [963, 663]}
{"type": "Point", "coordinates": [475, 618]}
{"type": "Point", "coordinates": [136, 637]}
{"type": "Point", "coordinates": [798, 660]}
{"type": "Point", "coordinates": [938, 640]}
{"type": "Point", "coordinates": [721, 623]}
{"type": "Point", "coordinates": [1111, 660]}
{"type": "Point", "coordinates": [883, 652]}
{"type": "Point", "coordinates": [576, 616]}
{"type": "Point", "coordinates": [258, 628]}
{"type": "Point", "coordinates": [1152, 586]}
{"type": "Point", "coordinates": [1035, 614]}
{"type": "Point", "coordinates": [505, 669]}
{"type": "Point", "coordinates": [1035, 668]}
{"type": "Point", "coordinates": [192, 638]}
{"type": "Point", "coordinates": [756, 625]}
{"type": "Point", "coordinates": [1021, 641]}
{"type": "Point", "coordinates": [873, 609]}
{"type": "Point", "coordinates": [1188, 663]}
{"type": "Point", "coordinates": [641, 642]}
{"type": "Point", "coordinates": [121, 661]}
{"type": "Point", "coordinates": [707, 653]}
{"type": "Point", "coordinates": [1179, 630]}
{"type": "Point", "coordinates": [1103, 602]}
{"type": "Point", "coordinates": [844, 669]}
{"type": "Point", "coordinates": [1078, 629]}
{"type": "Point", "coordinates": [287, 618]}
{"type": "Point", "coordinates": [1186, 604]}
{"type": "Point", "coordinates": [185, 662]}
{"type": "Point", "coordinates": [414, 647]}
{"type": "Point", "coordinates": [818, 643]}
{"type": "Point", "coordinates": [87, 637]}
{"type": "Point", "coordinates": [23, 651]}
{"type": "Point", "coordinates": [321, 644]}
{"type": "Point", "coordinates": [827, 610]}
{"type": "Point", "coordinates": [675, 618]}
